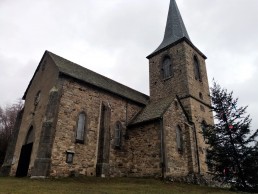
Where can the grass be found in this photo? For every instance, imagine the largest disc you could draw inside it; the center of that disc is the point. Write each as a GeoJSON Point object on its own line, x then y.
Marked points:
{"type": "Point", "coordinates": [93, 185]}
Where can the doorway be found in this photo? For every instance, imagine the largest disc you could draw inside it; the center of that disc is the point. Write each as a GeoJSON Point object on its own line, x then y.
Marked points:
{"type": "Point", "coordinates": [25, 155]}
{"type": "Point", "coordinates": [24, 160]}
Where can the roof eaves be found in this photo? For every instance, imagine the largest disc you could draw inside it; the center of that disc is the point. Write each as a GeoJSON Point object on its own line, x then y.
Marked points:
{"type": "Point", "coordinates": [175, 43]}
{"type": "Point", "coordinates": [144, 122]}
{"type": "Point", "coordinates": [159, 116]}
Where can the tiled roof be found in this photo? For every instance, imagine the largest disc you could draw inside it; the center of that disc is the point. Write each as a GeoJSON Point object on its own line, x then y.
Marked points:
{"type": "Point", "coordinates": [81, 73]}
{"type": "Point", "coordinates": [154, 110]}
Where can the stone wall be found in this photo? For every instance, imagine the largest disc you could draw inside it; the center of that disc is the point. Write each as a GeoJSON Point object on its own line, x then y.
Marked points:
{"type": "Point", "coordinates": [177, 84]}
{"type": "Point", "coordinates": [44, 79]}
{"type": "Point", "coordinates": [143, 151]}
{"type": "Point", "coordinates": [198, 115]}
{"type": "Point", "coordinates": [43, 160]}
{"type": "Point", "coordinates": [198, 102]}
{"type": "Point", "coordinates": [78, 97]}
{"type": "Point", "coordinates": [194, 94]}
{"type": "Point", "coordinates": [178, 162]}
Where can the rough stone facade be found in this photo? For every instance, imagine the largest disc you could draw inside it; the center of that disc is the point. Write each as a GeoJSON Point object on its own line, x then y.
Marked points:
{"type": "Point", "coordinates": [44, 79]}
{"type": "Point", "coordinates": [78, 98]}
{"type": "Point", "coordinates": [193, 94]}
{"type": "Point", "coordinates": [143, 150]}
{"type": "Point", "coordinates": [77, 122]}
{"type": "Point", "coordinates": [178, 162]}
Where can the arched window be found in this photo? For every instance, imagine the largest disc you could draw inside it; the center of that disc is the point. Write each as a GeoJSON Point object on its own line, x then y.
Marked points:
{"type": "Point", "coordinates": [204, 128]}
{"type": "Point", "coordinates": [118, 135]}
{"type": "Point", "coordinates": [197, 71]}
{"type": "Point", "coordinates": [200, 96]}
{"type": "Point", "coordinates": [179, 138]}
{"type": "Point", "coordinates": [167, 67]}
{"type": "Point", "coordinates": [80, 128]}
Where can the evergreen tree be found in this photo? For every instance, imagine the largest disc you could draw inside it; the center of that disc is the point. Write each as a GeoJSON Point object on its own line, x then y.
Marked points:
{"type": "Point", "coordinates": [232, 152]}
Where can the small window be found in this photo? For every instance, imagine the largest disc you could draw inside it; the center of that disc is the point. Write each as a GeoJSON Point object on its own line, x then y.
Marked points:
{"type": "Point", "coordinates": [37, 98]}
{"type": "Point", "coordinates": [167, 67]}
{"type": "Point", "coordinates": [204, 128]}
{"type": "Point", "coordinates": [179, 138]}
{"type": "Point", "coordinates": [197, 71]}
{"type": "Point", "coordinates": [200, 96]}
{"type": "Point", "coordinates": [80, 128]}
{"type": "Point", "coordinates": [118, 135]}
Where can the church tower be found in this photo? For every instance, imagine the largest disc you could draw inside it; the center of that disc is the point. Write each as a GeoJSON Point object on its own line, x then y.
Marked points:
{"type": "Point", "coordinates": [177, 69]}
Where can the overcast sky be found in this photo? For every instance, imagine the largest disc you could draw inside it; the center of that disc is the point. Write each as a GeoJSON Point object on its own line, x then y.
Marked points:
{"type": "Point", "coordinates": [113, 37]}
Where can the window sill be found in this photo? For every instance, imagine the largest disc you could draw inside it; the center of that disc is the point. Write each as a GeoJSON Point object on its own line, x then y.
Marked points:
{"type": "Point", "coordinates": [165, 79]}
{"type": "Point", "coordinates": [79, 141]}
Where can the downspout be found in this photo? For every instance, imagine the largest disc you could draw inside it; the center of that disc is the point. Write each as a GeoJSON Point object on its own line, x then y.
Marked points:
{"type": "Point", "coordinates": [162, 149]}
{"type": "Point", "coordinates": [197, 150]}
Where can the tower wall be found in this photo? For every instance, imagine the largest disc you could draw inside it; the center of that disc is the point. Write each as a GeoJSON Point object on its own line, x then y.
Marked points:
{"type": "Point", "coordinates": [197, 101]}
{"type": "Point", "coordinates": [192, 91]}
{"type": "Point", "coordinates": [177, 84]}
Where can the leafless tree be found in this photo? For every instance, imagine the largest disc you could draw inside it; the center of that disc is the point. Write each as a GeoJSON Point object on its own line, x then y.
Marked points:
{"type": "Point", "coordinates": [8, 116]}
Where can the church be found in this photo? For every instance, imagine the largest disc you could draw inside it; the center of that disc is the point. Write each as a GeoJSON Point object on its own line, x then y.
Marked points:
{"type": "Point", "coordinates": [78, 122]}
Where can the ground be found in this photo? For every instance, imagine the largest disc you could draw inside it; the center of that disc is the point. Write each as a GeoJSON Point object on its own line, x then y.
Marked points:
{"type": "Point", "coordinates": [94, 185]}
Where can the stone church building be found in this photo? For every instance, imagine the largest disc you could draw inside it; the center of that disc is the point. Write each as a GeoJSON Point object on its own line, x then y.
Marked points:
{"type": "Point", "coordinates": [78, 122]}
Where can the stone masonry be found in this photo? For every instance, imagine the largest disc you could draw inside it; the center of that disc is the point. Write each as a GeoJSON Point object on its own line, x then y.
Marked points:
{"type": "Point", "coordinates": [77, 122]}
{"type": "Point", "coordinates": [84, 98]}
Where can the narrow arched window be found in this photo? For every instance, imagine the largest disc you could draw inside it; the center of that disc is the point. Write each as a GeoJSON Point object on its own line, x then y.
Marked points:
{"type": "Point", "coordinates": [167, 67]}
{"type": "Point", "coordinates": [200, 96]}
{"type": "Point", "coordinates": [197, 71]}
{"type": "Point", "coordinates": [37, 98]}
{"type": "Point", "coordinates": [80, 128]}
{"type": "Point", "coordinates": [118, 135]}
{"type": "Point", "coordinates": [179, 138]}
{"type": "Point", "coordinates": [204, 128]}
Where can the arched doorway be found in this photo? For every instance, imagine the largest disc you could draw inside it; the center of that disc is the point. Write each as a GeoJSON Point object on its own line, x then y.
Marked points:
{"type": "Point", "coordinates": [24, 160]}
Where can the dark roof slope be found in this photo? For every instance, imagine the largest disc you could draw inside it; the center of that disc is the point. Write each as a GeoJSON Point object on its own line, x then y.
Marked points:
{"type": "Point", "coordinates": [154, 110]}
{"type": "Point", "coordinates": [175, 27]}
{"type": "Point", "coordinates": [78, 72]}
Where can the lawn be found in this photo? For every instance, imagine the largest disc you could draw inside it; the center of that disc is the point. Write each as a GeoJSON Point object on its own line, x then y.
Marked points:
{"type": "Point", "coordinates": [94, 185]}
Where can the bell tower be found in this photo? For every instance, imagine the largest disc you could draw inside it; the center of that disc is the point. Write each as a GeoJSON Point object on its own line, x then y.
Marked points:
{"type": "Point", "coordinates": [177, 68]}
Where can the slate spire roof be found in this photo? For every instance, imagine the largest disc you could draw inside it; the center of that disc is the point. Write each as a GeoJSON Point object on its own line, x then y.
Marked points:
{"type": "Point", "coordinates": [175, 28]}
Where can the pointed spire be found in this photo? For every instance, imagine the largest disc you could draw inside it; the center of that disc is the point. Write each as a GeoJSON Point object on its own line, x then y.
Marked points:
{"type": "Point", "coordinates": [175, 28]}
